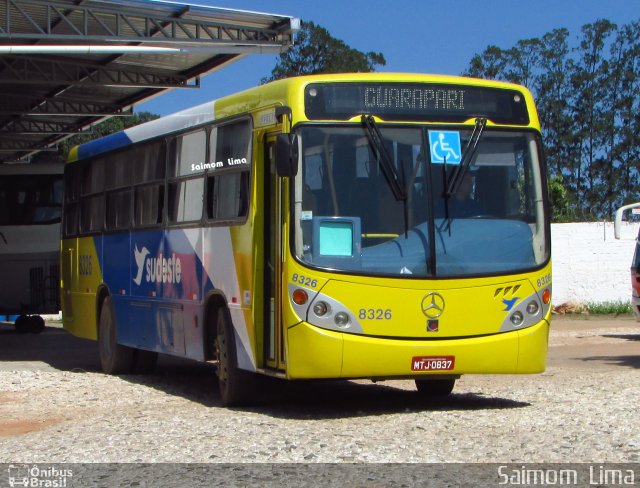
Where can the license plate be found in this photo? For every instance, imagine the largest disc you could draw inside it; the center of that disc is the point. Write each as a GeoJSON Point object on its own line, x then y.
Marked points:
{"type": "Point", "coordinates": [433, 363]}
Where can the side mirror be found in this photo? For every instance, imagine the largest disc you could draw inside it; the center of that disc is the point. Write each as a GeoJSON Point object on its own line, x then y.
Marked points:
{"type": "Point", "coordinates": [287, 155]}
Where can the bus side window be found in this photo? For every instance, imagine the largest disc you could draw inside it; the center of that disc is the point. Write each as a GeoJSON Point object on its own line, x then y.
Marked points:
{"type": "Point", "coordinates": [228, 196]}
{"type": "Point", "coordinates": [185, 200]}
{"type": "Point", "coordinates": [92, 197]}
{"type": "Point", "coordinates": [118, 209]}
{"type": "Point", "coordinates": [187, 154]}
{"type": "Point", "coordinates": [229, 172]}
{"type": "Point", "coordinates": [148, 178]}
{"type": "Point", "coordinates": [118, 186]}
{"type": "Point", "coordinates": [71, 196]}
{"type": "Point", "coordinates": [148, 205]}
{"type": "Point", "coordinates": [92, 213]}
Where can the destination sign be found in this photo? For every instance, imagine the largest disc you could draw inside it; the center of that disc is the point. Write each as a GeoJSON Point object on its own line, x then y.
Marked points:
{"type": "Point", "coordinates": [414, 101]}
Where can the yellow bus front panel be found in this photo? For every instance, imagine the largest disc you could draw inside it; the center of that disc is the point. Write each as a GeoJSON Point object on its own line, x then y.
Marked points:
{"type": "Point", "coordinates": [317, 353]}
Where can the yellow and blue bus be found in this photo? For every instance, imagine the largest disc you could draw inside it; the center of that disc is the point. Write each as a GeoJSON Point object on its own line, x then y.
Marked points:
{"type": "Point", "coordinates": [352, 226]}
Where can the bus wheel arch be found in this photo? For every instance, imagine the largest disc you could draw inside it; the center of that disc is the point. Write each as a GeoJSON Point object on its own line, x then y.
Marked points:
{"type": "Point", "coordinates": [214, 301]}
{"type": "Point", "coordinates": [101, 295]}
{"type": "Point", "coordinates": [236, 385]}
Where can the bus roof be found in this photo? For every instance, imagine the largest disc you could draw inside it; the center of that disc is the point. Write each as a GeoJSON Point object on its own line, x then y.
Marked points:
{"type": "Point", "coordinates": [180, 120]}
{"type": "Point", "coordinates": [278, 91]}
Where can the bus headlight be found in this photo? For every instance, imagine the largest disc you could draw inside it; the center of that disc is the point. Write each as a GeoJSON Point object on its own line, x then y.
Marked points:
{"type": "Point", "coordinates": [341, 319]}
{"type": "Point", "coordinates": [533, 308]}
{"type": "Point", "coordinates": [517, 318]}
{"type": "Point", "coordinates": [320, 308]}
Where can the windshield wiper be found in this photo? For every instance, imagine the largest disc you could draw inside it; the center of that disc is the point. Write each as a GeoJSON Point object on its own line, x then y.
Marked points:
{"type": "Point", "coordinates": [389, 170]}
{"type": "Point", "coordinates": [467, 155]}
{"type": "Point", "coordinates": [382, 155]}
{"type": "Point", "coordinates": [453, 185]}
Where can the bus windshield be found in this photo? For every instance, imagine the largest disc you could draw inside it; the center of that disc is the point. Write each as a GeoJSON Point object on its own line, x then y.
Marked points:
{"type": "Point", "coordinates": [30, 199]}
{"type": "Point", "coordinates": [481, 218]}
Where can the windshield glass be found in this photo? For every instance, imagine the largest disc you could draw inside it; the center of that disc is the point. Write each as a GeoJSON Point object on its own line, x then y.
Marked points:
{"type": "Point", "coordinates": [30, 199]}
{"type": "Point", "coordinates": [348, 218]}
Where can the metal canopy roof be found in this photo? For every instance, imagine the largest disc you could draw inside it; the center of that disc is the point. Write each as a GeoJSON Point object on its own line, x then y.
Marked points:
{"type": "Point", "coordinates": [67, 64]}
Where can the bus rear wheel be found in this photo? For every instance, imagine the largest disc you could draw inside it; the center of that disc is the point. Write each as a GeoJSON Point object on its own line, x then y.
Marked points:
{"type": "Point", "coordinates": [29, 323]}
{"type": "Point", "coordinates": [235, 385]}
{"type": "Point", "coordinates": [114, 358]}
{"type": "Point", "coordinates": [435, 388]}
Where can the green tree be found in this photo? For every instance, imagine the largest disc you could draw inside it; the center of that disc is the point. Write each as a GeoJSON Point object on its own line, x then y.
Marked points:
{"type": "Point", "coordinates": [316, 51]}
{"type": "Point", "coordinates": [628, 127]}
{"type": "Point", "coordinates": [560, 209]}
{"type": "Point", "coordinates": [490, 64]}
{"type": "Point", "coordinates": [589, 81]}
{"type": "Point", "coordinates": [588, 98]}
{"type": "Point", "coordinates": [554, 98]}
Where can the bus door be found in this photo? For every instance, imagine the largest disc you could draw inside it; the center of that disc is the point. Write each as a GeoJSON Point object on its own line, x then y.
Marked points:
{"type": "Point", "coordinates": [273, 244]}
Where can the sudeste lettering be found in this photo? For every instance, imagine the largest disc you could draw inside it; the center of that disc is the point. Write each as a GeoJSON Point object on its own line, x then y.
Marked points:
{"type": "Point", "coordinates": [164, 270]}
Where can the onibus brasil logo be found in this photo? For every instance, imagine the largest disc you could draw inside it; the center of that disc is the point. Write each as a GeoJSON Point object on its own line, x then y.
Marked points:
{"type": "Point", "coordinates": [38, 476]}
{"type": "Point", "coordinates": [158, 269]}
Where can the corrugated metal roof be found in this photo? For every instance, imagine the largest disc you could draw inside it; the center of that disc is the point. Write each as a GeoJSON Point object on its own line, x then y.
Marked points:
{"type": "Point", "coordinates": [54, 81]}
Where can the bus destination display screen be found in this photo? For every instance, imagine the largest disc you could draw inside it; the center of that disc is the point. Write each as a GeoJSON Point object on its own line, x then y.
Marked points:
{"type": "Point", "coordinates": [415, 102]}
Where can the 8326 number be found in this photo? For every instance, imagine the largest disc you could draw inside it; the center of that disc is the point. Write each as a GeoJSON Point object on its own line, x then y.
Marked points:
{"type": "Point", "coordinates": [304, 280]}
{"type": "Point", "coordinates": [375, 314]}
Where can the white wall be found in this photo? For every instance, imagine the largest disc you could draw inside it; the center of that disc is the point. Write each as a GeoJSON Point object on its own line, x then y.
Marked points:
{"type": "Point", "coordinates": [590, 264]}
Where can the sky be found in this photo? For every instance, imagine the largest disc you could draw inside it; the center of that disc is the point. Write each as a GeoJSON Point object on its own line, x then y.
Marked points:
{"type": "Point", "coordinates": [415, 36]}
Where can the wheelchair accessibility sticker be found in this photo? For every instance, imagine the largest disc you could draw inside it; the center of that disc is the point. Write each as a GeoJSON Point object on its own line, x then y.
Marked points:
{"type": "Point", "coordinates": [445, 146]}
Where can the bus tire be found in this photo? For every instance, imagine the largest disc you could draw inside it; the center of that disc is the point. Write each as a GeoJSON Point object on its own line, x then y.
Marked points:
{"type": "Point", "coordinates": [144, 362]}
{"type": "Point", "coordinates": [22, 324]}
{"type": "Point", "coordinates": [235, 385]}
{"type": "Point", "coordinates": [35, 324]}
{"type": "Point", "coordinates": [435, 388]}
{"type": "Point", "coordinates": [114, 358]}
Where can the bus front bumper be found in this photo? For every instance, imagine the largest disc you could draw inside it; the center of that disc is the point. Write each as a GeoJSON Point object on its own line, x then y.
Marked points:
{"type": "Point", "coordinates": [313, 352]}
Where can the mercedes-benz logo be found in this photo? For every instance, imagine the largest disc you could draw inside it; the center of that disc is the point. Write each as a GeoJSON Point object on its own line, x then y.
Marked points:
{"type": "Point", "coordinates": [433, 305]}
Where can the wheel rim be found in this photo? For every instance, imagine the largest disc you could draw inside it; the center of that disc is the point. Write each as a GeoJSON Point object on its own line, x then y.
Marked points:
{"type": "Point", "coordinates": [106, 336]}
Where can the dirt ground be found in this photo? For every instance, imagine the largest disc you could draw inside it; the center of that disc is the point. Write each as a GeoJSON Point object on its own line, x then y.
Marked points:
{"type": "Point", "coordinates": [580, 406]}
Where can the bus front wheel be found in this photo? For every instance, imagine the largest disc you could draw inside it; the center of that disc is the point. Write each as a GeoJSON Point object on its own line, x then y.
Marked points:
{"type": "Point", "coordinates": [29, 323]}
{"type": "Point", "coordinates": [114, 358]}
{"type": "Point", "coordinates": [235, 384]}
{"type": "Point", "coordinates": [435, 388]}
{"type": "Point", "coordinates": [22, 324]}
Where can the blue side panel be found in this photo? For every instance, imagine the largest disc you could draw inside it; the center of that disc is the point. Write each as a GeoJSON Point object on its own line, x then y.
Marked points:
{"type": "Point", "coordinates": [156, 279]}
{"type": "Point", "coordinates": [180, 249]}
{"type": "Point", "coordinates": [146, 250]}
{"type": "Point", "coordinates": [145, 325]}
{"type": "Point", "coordinates": [187, 245]}
{"type": "Point", "coordinates": [108, 143]}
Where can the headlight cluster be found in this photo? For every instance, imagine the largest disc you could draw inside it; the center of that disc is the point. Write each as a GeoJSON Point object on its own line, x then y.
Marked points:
{"type": "Point", "coordinates": [532, 308]}
{"type": "Point", "coordinates": [323, 309]}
